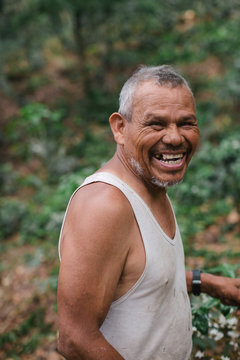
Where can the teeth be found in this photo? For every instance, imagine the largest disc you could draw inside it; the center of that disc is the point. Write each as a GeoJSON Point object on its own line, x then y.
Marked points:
{"type": "Point", "coordinates": [171, 156]}
{"type": "Point", "coordinates": [173, 161]}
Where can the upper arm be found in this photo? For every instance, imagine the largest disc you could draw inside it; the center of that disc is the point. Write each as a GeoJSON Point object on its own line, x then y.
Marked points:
{"type": "Point", "coordinates": [95, 244]}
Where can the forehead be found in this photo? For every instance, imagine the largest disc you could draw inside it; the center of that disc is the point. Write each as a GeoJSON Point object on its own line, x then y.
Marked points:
{"type": "Point", "coordinates": [149, 96]}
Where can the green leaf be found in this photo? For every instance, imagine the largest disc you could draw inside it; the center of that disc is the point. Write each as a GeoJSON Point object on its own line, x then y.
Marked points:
{"type": "Point", "coordinates": [225, 269]}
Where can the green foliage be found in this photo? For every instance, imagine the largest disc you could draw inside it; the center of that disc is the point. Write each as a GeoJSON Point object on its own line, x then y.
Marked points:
{"type": "Point", "coordinates": [35, 320]}
{"type": "Point", "coordinates": [43, 129]}
{"type": "Point", "coordinates": [104, 104]}
{"type": "Point", "coordinates": [58, 147]}
{"type": "Point", "coordinates": [34, 260]}
{"type": "Point", "coordinates": [51, 282]}
{"type": "Point", "coordinates": [211, 319]}
{"type": "Point", "coordinates": [200, 313]}
{"type": "Point", "coordinates": [224, 269]}
{"type": "Point", "coordinates": [8, 180]}
{"type": "Point", "coordinates": [47, 208]}
{"type": "Point", "coordinates": [214, 172]}
{"type": "Point", "coordinates": [39, 121]}
{"type": "Point", "coordinates": [12, 213]}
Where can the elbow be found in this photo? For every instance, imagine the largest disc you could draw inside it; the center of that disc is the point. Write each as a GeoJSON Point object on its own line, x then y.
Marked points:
{"type": "Point", "coordinates": [62, 348]}
{"type": "Point", "coordinates": [72, 345]}
{"type": "Point", "coordinates": [66, 347]}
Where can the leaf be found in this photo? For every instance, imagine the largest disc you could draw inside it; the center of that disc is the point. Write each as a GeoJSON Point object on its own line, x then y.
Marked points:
{"type": "Point", "coordinates": [224, 269]}
{"type": "Point", "coordinates": [200, 321]}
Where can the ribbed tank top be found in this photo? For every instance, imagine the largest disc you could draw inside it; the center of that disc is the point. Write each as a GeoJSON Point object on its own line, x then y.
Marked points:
{"type": "Point", "coordinates": [152, 321]}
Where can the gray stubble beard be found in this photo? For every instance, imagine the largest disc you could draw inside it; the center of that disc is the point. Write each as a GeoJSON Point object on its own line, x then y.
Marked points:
{"type": "Point", "coordinates": [165, 184]}
{"type": "Point", "coordinates": [136, 166]}
{"type": "Point", "coordinates": [138, 169]}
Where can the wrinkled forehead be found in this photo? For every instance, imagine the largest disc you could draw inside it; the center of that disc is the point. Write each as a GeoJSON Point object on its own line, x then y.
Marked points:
{"type": "Point", "coordinates": [151, 87]}
{"type": "Point", "coordinates": [149, 93]}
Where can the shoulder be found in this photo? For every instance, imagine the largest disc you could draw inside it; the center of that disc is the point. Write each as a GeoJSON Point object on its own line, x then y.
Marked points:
{"type": "Point", "coordinates": [99, 215]}
{"type": "Point", "coordinates": [100, 199]}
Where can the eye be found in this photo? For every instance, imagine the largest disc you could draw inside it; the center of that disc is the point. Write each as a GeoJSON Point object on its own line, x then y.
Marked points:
{"type": "Point", "coordinates": [184, 123]}
{"type": "Point", "coordinates": [157, 125]}
{"type": "Point", "coordinates": [187, 123]}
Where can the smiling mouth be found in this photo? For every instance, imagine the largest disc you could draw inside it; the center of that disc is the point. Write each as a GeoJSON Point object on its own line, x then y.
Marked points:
{"type": "Point", "coordinates": [171, 159]}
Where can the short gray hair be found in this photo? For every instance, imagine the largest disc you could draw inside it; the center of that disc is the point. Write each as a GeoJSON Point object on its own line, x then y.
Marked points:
{"type": "Point", "coordinates": [162, 75]}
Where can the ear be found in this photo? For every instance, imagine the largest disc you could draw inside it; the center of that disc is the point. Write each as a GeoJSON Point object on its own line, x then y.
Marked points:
{"type": "Point", "coordinates": [118, 124]}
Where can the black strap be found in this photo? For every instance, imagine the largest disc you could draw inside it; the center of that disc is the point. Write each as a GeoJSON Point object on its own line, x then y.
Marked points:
{"type": "Point", "coordinates": [196, 282]}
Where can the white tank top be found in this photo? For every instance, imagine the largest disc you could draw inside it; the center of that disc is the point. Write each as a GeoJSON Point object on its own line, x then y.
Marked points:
{"type": "Point", "coordinates": [152, 321]}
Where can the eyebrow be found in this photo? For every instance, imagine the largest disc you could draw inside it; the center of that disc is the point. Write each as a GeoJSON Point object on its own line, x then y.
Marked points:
{"type": "Point", "coordinates": [189, 117]}
{"type": "Point", "coordinates": [152, 117]}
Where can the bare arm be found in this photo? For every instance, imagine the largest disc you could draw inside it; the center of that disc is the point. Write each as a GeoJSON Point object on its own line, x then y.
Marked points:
{"type": "Point", "coordinates": [224, 288]}
{"type": "Point", "coordinates": [94, 250]}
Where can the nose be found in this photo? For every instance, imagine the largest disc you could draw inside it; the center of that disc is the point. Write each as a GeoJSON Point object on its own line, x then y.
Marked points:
{"type": "Point", "coordinates": [173, 136]}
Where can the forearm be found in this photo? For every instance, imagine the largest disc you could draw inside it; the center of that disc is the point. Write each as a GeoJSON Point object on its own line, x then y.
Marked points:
{"type": "Point", "coordinates": [209, 283]}
{"type": "Point", "coordinates": [189, 277]}
{"type": "Point", "coordinates": [227, 290]}
{"type": "Point", "coordinates": [87, 348]}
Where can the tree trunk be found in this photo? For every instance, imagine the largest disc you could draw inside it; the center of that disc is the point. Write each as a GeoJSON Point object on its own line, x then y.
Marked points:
{"type": "Point", "coordinates": [81, 48]}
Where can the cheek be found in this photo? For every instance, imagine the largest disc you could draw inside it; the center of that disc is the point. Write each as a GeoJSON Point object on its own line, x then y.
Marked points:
{"type": "Point", "coordinates": [146, 139]}
{"type": "Point", "coordinates": [193, 138]}
{"type": "Point", "coordinates": [196, 139]}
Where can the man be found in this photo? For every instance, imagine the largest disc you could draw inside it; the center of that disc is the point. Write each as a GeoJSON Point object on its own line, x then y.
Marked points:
{"type": "Point", "coordinates": [122, 284]}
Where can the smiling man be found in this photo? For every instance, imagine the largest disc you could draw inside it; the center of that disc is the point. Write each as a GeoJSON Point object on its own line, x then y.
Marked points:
{"type": "Point", "coordinates": [161, 135]}
{"type": "Point", "coordinates": [122, 284]}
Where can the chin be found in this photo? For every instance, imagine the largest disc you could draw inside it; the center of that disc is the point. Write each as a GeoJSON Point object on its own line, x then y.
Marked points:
{"type": "Point", "coordinates": [165, 184]}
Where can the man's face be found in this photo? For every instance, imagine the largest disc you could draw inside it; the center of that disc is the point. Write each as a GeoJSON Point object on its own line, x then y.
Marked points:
{"type": "Point", "coordinates": [162, 135]}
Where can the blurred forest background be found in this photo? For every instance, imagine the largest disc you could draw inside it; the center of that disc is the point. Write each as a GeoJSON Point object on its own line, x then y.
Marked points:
{"type": "Point", "coordinates": [62, 66]}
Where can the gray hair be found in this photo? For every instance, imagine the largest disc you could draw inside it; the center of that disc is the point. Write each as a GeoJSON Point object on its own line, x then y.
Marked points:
{"type": "Point", "coordinates": [162, 75]}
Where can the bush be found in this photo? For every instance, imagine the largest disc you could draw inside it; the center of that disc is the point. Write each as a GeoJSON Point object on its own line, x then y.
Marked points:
{"type": "Point", "coordinates": [11, 214]}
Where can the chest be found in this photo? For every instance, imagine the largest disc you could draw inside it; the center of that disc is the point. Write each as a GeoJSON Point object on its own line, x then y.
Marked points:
{"type": "Point", "coordinates": [149, 249]}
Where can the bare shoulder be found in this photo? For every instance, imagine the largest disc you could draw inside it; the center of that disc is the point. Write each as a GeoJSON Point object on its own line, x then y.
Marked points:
{"type": "Point", "coordinates": [100, 199]}
{"type": "Point", "coordinates": [98, 211]}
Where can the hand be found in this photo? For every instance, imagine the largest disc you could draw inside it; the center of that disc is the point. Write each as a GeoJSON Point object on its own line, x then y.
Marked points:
{"type": "Point", "coordinates": [227, 290]}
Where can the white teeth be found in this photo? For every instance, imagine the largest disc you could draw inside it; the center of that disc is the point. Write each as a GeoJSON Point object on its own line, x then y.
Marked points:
{"type": "Point", "coordinates": [171, 156]}
{"type": "Point", "coordinates": [173, 161]}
